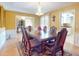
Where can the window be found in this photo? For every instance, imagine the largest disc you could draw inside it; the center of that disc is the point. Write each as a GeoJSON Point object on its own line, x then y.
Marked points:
{"type": "Point", "coordinates": [67, 20]}
{"type": "Point", "coordinates": [45, 21]}
{"type": "Point", "coordinates": [24, 21]}
{"type": "Point", "coordinates": [28, 21]}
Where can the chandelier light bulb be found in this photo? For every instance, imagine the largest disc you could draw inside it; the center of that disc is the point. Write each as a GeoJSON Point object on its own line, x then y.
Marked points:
{"type": "Point", "coordinates": [39, 12]}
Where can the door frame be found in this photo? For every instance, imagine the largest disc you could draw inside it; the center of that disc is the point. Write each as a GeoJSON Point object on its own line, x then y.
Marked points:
{"type": "Point", "coordinates": [72, 10]}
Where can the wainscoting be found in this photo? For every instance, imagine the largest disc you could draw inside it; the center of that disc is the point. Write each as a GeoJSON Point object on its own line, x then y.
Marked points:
{"type": "Point", "coordinates": [76, 41]}
{"type": "Point", "coordinates": [10, 34]}
{"type": "Point", "coordinates": [2, 37]}
{"type": "Point", "coordinates": [73, 40]}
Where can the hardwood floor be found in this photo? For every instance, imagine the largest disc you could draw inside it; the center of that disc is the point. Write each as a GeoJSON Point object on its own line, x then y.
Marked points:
{"type": "Point", "coordinates": [10, 48]}
{"type": "Point", "coordinates": [74, 50]}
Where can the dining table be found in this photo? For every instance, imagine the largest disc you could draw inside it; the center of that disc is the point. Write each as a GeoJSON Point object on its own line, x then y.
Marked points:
{"type": "Point", "coordinates": [36, 39]}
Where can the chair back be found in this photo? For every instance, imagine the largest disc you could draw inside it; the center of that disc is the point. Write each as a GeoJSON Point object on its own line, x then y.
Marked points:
{"type": "Point", "coordinates": [60, 39]}
{"type": "Point", "coordinates": [63, 37]}
{"type": "Point", "coordinates": [23, 35]}
{"type": "Point", "coordinates": [53, 31]}
{"type": "Point", "coordinates": [26, 40]}
{"type": "Point", "coordinates": [57, 40]}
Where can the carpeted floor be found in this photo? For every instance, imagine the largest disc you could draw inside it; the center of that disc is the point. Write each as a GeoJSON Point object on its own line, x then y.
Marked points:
{"type": "Point", "coordinates": [22, 53]}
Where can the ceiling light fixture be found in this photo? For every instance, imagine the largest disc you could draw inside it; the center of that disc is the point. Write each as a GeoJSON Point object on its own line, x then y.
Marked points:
{"type": "Point", "coordinates": [39, 11]}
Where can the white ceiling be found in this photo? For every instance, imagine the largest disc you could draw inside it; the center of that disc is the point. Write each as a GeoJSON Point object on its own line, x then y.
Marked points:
{"type": "Point", "coordinates": [31, 7]}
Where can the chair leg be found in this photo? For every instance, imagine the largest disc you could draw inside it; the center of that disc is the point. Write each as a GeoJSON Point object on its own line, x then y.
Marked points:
{"type": "Point", "coordinates": [30, 53]}
{"type": "Point", "coordinates": [54, 53]}
{"type": "Point", "coordinates": [62, 51]}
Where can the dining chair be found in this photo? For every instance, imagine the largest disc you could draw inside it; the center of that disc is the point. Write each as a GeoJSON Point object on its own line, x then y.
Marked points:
{"type": "Point", "coordinates": [58, 44]}
{"type": "Point", "coordinates": [24, 41]}
{"type": "Point", "coordinates": [29, 47]}
{"type": "Point", "coordinates": [62, 39]}
{"type": "Point", "coordinates": [49, 44]}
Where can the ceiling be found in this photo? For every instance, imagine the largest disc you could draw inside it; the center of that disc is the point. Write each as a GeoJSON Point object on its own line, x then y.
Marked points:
{"type": "Point", "coordinates": [31, 7]}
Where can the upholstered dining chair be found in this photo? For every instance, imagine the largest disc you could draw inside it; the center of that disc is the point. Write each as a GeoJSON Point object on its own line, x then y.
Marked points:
{"type": "Point", "coordinates": [24, 41]}
{"type": "Point", "coordinates": [62, 40]}
{"type": "Point", "coordinates": [29, 47]}
{"type": "Point", "coordinates": [58, 44]}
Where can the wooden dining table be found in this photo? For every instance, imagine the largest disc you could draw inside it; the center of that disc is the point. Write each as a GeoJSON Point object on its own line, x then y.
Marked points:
{"type": "Point", "coordinates": [38, 39]}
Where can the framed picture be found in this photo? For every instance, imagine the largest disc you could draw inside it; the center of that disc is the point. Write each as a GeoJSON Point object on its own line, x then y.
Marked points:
{"type": "Point", "coordinates": [53, 18]}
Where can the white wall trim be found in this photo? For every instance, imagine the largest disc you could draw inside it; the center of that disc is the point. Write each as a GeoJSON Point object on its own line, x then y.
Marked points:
{"type": "Point", "coordinates": [10, 34]}
{"type": "Point", "coordinates": [2, 37]}
{"type": "Point", "coordinates": [76, 41]}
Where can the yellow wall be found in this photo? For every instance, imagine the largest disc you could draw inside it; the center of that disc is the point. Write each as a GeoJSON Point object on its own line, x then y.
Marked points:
{"type": "Point", "coordinates": [1, 16]}
{"type": "Point", "coordinates": [56, 23]}
{"type": "Point", "coordinates": [7, 18]}
{"type": "Point", "coordinates": [10, 17]}
{"type": "Point", "coordinates": [77, 19]}
{"type": "Point", "coordinates": [10, 20]}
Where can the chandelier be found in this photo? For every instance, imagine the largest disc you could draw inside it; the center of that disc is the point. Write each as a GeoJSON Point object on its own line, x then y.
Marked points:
{"type": "Point", "coordinates": [39, 10]}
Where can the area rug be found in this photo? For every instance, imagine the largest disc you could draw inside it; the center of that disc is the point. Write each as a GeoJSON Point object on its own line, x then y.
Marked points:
{"type": "Point", "coordinates": [22, 53]}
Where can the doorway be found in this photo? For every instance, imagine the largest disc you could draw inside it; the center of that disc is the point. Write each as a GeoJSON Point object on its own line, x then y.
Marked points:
{"type": "Point", "coordinates": [67, 19]}
{"type": "Point", "coordinates": [24, 21]}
